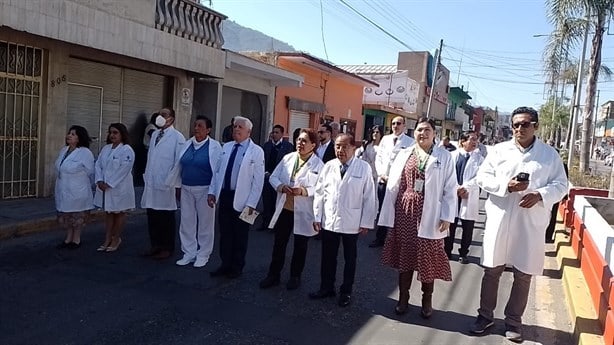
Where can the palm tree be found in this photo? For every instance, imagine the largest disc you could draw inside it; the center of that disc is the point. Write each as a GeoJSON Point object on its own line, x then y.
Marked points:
{"type": "Point", "coordinates": [566, 17]}
{"type": "Point", "coordinates": [553, 117]}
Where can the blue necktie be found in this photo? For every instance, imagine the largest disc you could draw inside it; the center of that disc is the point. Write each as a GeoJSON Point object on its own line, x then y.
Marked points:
{"type": "Point", "coordinates": [344, 168]}
{"type": "Point", "coordinates": [231, 163]}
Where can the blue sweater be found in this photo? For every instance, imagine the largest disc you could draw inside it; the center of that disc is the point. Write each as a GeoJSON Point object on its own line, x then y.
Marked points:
{"type": "Point", "coordinates": [195, 167]}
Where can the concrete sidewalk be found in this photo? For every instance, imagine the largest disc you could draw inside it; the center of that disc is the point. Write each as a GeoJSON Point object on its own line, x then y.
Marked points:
{"type": "Point", "coordinates": [19, 217]}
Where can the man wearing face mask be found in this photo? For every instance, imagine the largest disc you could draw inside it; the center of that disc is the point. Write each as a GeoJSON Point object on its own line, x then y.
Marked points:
{"type": "Point", "coordinates": [159, 198]}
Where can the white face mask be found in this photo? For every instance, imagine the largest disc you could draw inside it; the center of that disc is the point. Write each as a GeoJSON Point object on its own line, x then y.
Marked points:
{"type": "Point", "coordinates": [160, 121]}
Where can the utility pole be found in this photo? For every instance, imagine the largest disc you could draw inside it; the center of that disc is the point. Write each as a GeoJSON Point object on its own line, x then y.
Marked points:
{"type": "Point", "coordinates": [436, 70]}
{"type": "Point", "coordinates": [576, 104]}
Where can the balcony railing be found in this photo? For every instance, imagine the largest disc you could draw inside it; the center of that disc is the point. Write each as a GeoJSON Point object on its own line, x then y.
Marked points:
{"type": "Point", "coordinates": [190, 20]}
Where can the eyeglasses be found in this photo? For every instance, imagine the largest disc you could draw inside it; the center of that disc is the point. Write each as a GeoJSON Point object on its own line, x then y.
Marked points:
{"type": "Point", "coordinates": [397, 123]}
{"type": "Point", "coordinates": [523, 124]}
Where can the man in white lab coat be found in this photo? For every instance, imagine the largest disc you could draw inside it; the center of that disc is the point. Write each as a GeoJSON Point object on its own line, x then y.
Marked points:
{"type": "Point", "coordinates": [344, 206]}
{"type": "Point", "coordinates": [467, 159]}
{"type": "Point", "coordinates": [159, 197]}
{"type": "Point", "coordinates": [388, 148]}
{"type": "Point", "coordinates": [236, 187]}
{"type": "Point", "coordinates": [524, 178]}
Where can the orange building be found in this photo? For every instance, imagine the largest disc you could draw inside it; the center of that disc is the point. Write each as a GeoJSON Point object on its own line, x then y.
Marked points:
{"type": "Point", "coordinates": [328, 94]}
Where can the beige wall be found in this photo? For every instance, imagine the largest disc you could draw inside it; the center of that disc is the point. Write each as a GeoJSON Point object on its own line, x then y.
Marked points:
{"type": "Point", "coordinates": [120, 27]}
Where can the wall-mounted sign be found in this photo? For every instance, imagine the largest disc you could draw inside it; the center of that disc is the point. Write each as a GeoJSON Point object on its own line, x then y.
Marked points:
{"type": "Point", "coordinates": [186, 96]}
{"type": "Point", "coordinates": [395, 90]}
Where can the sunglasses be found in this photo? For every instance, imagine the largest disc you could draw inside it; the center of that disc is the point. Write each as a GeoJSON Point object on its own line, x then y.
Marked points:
{"type": "Point", "coordinates": [523, 124]}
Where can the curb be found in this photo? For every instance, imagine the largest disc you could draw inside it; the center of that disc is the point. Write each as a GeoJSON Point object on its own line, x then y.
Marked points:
{"type": "Point", "coordinates": [584, 319]}
{"type": "Point", "coordinates": [48, 223]}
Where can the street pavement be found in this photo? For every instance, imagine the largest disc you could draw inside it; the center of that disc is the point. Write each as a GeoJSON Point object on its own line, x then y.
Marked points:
{"type": "Point", "coordinates": [51, 296]}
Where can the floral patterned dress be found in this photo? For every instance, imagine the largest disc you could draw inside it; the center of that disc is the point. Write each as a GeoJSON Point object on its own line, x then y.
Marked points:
{"type": "Point", "coordinates": [403, 249]}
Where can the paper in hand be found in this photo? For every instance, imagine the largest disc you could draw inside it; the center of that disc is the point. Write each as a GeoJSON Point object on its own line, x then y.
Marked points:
{"type": "Point", "coordinates": [248, 218]}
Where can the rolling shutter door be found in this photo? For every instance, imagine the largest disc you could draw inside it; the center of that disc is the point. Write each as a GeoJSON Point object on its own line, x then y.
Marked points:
{"type": "Point", "coordinates": [143, 94]}
{"type": "Point", "coordinates": [298, 119]}
{"type": "Point", "coordinates": [84, 109]}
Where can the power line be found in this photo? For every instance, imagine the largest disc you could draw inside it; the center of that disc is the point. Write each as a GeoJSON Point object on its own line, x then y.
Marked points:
{"type": "Point", "coordinates": [322, 29]}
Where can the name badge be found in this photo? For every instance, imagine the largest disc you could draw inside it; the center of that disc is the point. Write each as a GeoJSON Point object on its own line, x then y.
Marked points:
{"type": "Point", "coordinates": [419, 185]}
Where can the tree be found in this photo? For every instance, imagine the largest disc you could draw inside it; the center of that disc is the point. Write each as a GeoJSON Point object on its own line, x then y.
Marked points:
{"type": "Point", "coordinates": [553, 117]}
{"type": "Point", "coordinates": [566, 15]}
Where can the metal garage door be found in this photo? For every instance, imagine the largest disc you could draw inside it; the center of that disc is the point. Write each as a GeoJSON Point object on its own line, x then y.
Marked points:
{"type": "Point", "coordinates": [298, 119]}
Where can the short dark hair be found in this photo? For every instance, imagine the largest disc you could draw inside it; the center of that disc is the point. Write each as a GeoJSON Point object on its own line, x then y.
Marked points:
{"type": "Point", "coordinates": [465, 136]}
{"type": "Point", "coordinates": [328, 127]}
{"type": "Point", "coordinates": [171, 111]}
{"type": "Point", "coordinates": [208, 122]}
{"type": "Point", "coordinates": [81, 132]}
{"type": "Point", "coordinates": [281, 128]}
{"type": "Point", "coordinates": [123, 131]}
{"type": "Point", "coordinates": [527, 110]}
{"type": "Point", "coordinates": [349, 136]}
{"type": "Point", "coordinates": [313, 136]}
{"type": "Point", "coordinates": [425, 119]}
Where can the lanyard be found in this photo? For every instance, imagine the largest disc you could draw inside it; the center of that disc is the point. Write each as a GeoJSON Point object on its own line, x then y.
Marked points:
{"type": "Point", "coordinates": [298, 167]}
{"type": "Point", "coordinates": [422, 162]}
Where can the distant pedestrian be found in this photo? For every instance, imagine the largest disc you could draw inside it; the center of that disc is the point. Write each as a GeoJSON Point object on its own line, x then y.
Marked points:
{"type": "Point", "coordinates": [151, 127]}
{"type": "Point", "coordinates": [274, 150]}
{"type": "Point", "coordinates": [466, 160]}
{"type": "Point", "coordinates": [73, 185]}
{"type": "Point", "coordinates": [227, 132]}
{"type": "Point", "coordinates": [445, 143]}
{"type": "Point", "coordinates": [335, 130]}
{"type": "Point", "coordinates": [114, 184]}
{"type": "Point", "coordinates": [524, 178]}
{"type": "Point", "coordinates": [236, 189]}
{"type": "Point", "coordinates": [419, 205]}
{"type": "Point", "coordinates": [295, 135]}
{"type": "Point", "coordinates": [326, 148]}
{"type": "Point", "coordinates": [387, 151]}
{"type": "Point", "coordinates": [344, 206]}
{"type": "Point", "coordinates": [294, 179]}
{"type": "Point", "coordinates": [193, 173]}
{"type": "Point", "coordinates": [368, 151]}
{"type": "Point", "coordinates": [160, 198]}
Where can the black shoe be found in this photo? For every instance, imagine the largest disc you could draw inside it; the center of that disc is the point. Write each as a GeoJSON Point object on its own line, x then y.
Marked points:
{"type": "Point", "coordinates": [233, 274]}
{"type": "Point", "coordinates": [463, 260]}
{"type": "Point", "coordinates": [293, 283]}
{"type": "Point", "coordinates": [63, 245]}
{"type": "Point", "coordinates": [322, 294]}
{"type": "Point", "coordinates": [480, 325]}
{"type": "Point", "coordinates": [376, 244]}
{"type": "Point", "coordinates": [222, 271]}
{"type": "Point", "coordinates": [268, 282]}
{"type": "Point", "coordinates": [344, 299]}
{"type": "Point", "coordinates": [73, 245]}
{"type": "Point", "coordinates": [513, 333]}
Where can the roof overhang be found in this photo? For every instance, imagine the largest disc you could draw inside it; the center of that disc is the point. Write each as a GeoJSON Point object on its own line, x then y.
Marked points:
{"type": "Point", "coordinates": [391, 110]}
{"type": "Point", "coordinates": [277, 76]}
{"type": "Point", "coordinates": [314, 62]}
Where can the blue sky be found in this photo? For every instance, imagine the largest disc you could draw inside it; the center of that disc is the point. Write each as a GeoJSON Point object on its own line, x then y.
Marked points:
{"type": "Point", "coordinates": [488, 45]}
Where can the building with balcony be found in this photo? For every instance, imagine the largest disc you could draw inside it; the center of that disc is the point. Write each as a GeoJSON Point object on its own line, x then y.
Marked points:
{"type": "Point", "coordinates": [92, 63]}
{"type": "Point", "coordinates": [457, 99]}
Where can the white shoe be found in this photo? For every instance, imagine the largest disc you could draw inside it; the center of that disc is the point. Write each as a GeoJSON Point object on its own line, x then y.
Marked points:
{"type": "Point", "coordinates": [186, 260]}
{"type": "Point", "coordinates": [200, 262]}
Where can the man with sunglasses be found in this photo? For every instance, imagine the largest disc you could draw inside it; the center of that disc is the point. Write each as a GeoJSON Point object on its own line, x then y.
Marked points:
{"type": "Point", "coordinates": [326, 149]}
{"type": "Point", "coordinates": [524, 177]}
{"type": "Point", "coordinates": [389, 147]}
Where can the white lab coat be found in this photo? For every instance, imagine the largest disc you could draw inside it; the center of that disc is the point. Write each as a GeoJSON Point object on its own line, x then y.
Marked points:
{"type": "Point", "coordinates": [75, 176]}
{"type": "Point", "coordinates": [387, 152]}
{"type": "Point", "coordinates": [470, 207]}
{"type": "Point", "coordinates": [250, 179]}
{"type": "Point", "coordinates": [348, 204]}
{"type": "Point", "coordinates": [439, 192]}
{"type": "Point", "coordinates": [161, 158]}
{"type": "Point", "coordinates": [114, 167]}
{"type": "Point", "coordinates": [215, 153]}
{"type": "Point", "coordinates": [306, 177]}
{"type": "Point", "coordinates": [515, 235]}
{"type": "Point", "coordinates": [368, 154]}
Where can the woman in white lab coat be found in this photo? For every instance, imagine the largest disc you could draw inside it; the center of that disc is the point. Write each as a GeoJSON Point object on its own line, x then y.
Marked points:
{"type": "Point", "coordinates": [368, 151]}
{"type": "Point", "coordinates": [294, 179]}
{"type": "Point", "coordinates": [419, 205]}
{"type": "Point", "coordinates": [73, 185]}
{"type": "Point", "coordinates": [114, 184]}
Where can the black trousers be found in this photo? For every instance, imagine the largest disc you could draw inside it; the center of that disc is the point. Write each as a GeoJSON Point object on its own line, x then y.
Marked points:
{"type": "Point", "coordinates": [269, 197]}
{"type": "Point", "coordinates": [161, 225]}
{"type": "Point", "coordinates": [382, 231]}
{"type": "Point", "coordinates": [284, 227]}
{"type": "Point", "coordinates": [466, 238]}
{"type": "Point", "coordinates": [330, 249]}
{"type": "Point", "coordinates": [233, 234]}
{"type": "Point", "coordinates": [550, 229]}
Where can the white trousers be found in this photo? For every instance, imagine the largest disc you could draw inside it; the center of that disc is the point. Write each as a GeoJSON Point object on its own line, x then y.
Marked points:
{"type": "Point", "coordinates": [197, 229]}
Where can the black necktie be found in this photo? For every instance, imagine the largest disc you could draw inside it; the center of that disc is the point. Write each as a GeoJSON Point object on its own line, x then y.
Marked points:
{"type": "Point", "coordinates": [231, 163]}
{"type": "Point", "coordinates": [460, 167]}
{"type": "Point", "coordinates": [159, 137]}
{"type": "Point", "coordinates": [344, 168]}
{"type": "Point", "coordinates": [394, 141]}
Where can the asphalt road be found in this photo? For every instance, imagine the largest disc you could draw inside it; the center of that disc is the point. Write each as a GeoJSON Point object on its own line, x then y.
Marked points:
{"type": "Point", "coordinates": [85, 297]}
